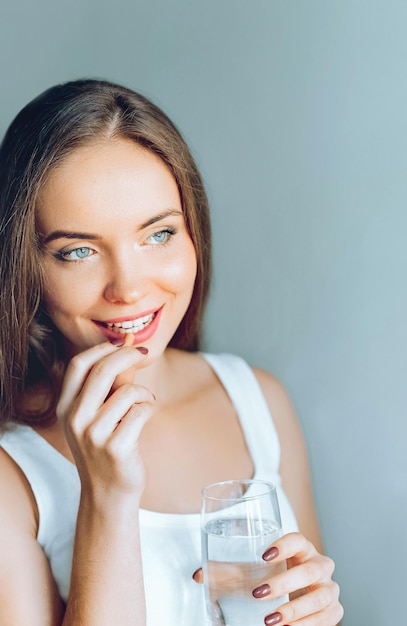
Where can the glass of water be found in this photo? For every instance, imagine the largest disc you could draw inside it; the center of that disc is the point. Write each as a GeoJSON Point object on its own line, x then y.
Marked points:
{"type": "Point", "coordinates": [239, 521]}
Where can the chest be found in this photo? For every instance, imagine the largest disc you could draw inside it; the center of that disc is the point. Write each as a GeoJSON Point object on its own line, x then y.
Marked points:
{"type": "Point", "coordinates": [184, 450]}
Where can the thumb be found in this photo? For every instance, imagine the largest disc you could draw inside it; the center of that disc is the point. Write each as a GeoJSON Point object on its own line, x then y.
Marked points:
{"type": "Point", "coordinates": [198, 575]}
{"type": "Point", "coordinates": [128, 375]}
{"type": "Point", "coordinates": [125, 377]}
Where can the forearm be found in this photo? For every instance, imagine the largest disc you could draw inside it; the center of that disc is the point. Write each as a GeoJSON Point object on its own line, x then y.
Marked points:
{"type": "Point", "coordinates": [102, 426]}
{"type": "Point", "coordinates": [107, 581]}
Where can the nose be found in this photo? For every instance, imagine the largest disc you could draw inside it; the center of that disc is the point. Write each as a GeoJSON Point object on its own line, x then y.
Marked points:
{"type": "Point", "coordinates": [125, 281]}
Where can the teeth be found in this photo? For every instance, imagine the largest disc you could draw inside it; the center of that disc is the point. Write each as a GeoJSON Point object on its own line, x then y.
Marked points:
{"type": "Point", "coordinates": [132, 326]}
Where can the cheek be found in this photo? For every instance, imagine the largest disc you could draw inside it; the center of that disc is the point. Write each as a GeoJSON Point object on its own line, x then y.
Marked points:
{"type": "Point", "coordinates": [53, 295]}
{"type": "Point", "coordinates": [64, 296]}
{"type": "Point", "coordinates": [181, 272]}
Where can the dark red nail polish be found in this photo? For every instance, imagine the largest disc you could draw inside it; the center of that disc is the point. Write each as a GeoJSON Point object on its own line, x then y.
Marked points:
{"type": "Point", "coordinates": [197, 575]}
{"type": "Point", "coordinates": [119, 342]}
{"type": "Point", "coordinates": [261, 591]}
{"type": "Point", "coordinates": [274, 618]}
{"type": "Point", "coordinates": [270, 554]}
{"type": "Point", "coordinates": [142, 349]}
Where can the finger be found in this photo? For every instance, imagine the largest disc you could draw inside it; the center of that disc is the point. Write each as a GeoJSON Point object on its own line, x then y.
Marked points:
{"type": "Point", "coordinates": [125, 377]}
{"type": "Point", "coordinates": [105, 372]}
{"type": "Point", "coordinates": [125, 436]}
{"type": "Point", "coordinates": [318, 601]}
{"type": "Point", "coordinates": [77, 370]}
{"type": "Point", "coordinates": [330, 616]}
{"type": "Point", "coordinates": [198, 575]}
{"type": "Point", "coordinates": [90, 375]}
{"type": "Point", "coordinates": [314, 572]}
{"type": "Point", "coordinates": [292, 545]}
{"type": "Point", "coordinates": [115, 410]}
{"type": "Point", "coordinates": [128, 375]}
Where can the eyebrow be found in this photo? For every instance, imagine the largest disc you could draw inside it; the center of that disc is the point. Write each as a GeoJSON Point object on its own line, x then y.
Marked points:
{"type": "Point", "coordinates": [69, 234]}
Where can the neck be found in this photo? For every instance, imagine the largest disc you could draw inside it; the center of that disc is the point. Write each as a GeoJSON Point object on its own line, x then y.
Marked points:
{"type": "Point", "coordinates": [157, 376]}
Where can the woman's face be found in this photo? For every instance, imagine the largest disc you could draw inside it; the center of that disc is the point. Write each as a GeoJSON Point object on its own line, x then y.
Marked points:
{"type": "Point", "coordinates": [117, 255]}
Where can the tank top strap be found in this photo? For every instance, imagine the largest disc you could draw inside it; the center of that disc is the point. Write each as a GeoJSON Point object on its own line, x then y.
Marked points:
{"type": "Point", "coordinates": [257, 424]}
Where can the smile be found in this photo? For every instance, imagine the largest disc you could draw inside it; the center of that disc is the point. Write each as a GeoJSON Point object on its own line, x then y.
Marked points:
{"type": "Point", "coordinates": [132, 326]}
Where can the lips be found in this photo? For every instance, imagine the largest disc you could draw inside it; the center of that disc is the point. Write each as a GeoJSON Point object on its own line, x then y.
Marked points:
{"type": "Point", "coordinates": [142, 327]}
{"type": "Point", "coordinates": [131, 326]}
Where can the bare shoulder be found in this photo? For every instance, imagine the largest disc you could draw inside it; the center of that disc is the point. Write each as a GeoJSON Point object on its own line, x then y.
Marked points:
{"type": "Point", "coordinates": [16, 498]}
{"type": "Point", "coordinates": [282, 410]}
{"type": "Point", "coordinates": [27, 590]}
{"type": "Point", "coordinates": [294, 464]}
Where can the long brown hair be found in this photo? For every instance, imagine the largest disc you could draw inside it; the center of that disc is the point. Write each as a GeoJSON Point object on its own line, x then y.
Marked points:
{"type": "Point", "coordinates": [49, 128]}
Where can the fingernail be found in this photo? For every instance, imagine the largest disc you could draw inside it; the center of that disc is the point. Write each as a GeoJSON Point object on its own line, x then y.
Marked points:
{"type": "Point", "coordinates": [197, 574]}
{"type": "Point", "coordinates": [261, 592]}
{"type": "Point", "coordinates": [119, 342]}
{"type": "Point", "coordinates": [270, 554]}
{"type": "Point", "coordinates": [142, 349]}
{"type": "Point", "coordinates": [274, 618]}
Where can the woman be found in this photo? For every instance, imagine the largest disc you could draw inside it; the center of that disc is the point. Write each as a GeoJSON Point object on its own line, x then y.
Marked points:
{"type": "Point", "coordinates": [112, 421]}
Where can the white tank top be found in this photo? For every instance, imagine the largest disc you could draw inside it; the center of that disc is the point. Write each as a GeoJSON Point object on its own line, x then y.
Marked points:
{"type": "Point", "coordinates": [171, 543]}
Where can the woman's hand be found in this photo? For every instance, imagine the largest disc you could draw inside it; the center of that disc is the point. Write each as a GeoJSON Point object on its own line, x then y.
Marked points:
{"type": "Point", "coordinates": [103, 412]}
{"type": "Point", "coordinates": [308, 579]}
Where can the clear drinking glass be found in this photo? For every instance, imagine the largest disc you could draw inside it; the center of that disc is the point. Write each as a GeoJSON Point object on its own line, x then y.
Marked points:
{"type": "Point", "coordinates": [239, 521]}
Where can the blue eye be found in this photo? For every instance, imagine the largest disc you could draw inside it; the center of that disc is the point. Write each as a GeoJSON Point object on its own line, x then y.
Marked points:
{"type": "Point", "coordinates": [81, 253]}
{"type": "Point", "coordinates": [77, 254]}
{"type": "Point", "coordinates": [162, 236]}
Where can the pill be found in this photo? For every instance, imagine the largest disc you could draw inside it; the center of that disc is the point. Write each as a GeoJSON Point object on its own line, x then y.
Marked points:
{"type": "Point", "coordinates": [129, 340]}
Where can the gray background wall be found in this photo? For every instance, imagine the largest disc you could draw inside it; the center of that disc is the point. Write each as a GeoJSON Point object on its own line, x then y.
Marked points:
{"type": "Point", "coordinates": [296, 112]}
